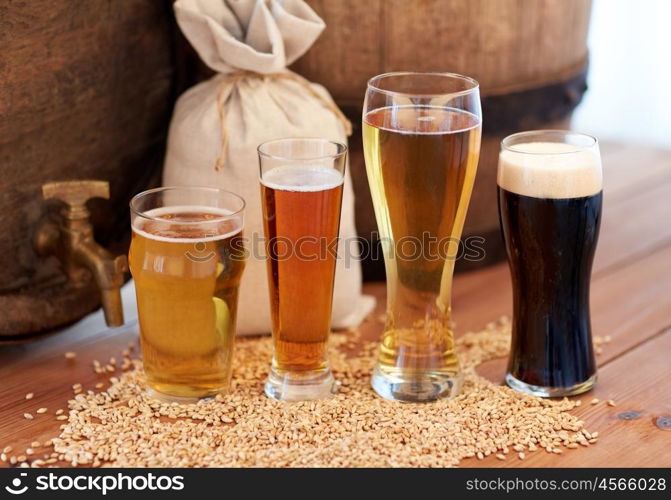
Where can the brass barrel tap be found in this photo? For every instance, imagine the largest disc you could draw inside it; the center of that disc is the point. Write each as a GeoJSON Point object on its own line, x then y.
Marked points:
{"type": "Point", "coordinates": [71, 240]}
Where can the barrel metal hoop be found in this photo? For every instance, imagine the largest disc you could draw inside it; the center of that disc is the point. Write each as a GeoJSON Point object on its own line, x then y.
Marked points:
{"type": "Point", "coordinates": [535, 107]}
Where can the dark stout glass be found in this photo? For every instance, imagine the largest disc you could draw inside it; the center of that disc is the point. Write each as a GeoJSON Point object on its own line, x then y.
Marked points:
{"type": "Point", "coordinates": [550, 200]}
{"type": "Point", "coordinates": [552, 345]}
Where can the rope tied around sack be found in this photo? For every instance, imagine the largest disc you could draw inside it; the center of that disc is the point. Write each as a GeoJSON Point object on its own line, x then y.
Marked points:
{"type": "Point", "coordinates": [226, 91]}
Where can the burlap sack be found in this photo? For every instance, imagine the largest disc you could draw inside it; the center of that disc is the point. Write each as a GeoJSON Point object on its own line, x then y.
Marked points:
{"type": "Point", "coordinates": [218, 124]}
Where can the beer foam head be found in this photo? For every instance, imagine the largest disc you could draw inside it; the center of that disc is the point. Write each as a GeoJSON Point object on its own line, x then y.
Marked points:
{"type": "Point", "coordinates": [550, 170]}
{"type": "Point", "coordinates": [187, 224]}
{"type": "Point", "coordinates": [302, 178]}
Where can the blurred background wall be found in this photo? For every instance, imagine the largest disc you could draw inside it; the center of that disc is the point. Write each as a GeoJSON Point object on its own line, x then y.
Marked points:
{"type": "Point", "coordinates": [629, 96]}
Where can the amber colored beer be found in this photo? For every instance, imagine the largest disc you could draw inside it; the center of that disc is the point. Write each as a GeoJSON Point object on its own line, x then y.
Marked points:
{"type": "Point", "coordinates": [187, 266]}
{"type": "Point", "coordinates": [301, 206]}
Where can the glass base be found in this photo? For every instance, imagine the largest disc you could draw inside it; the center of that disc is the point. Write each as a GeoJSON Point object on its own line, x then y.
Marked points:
{"type": "Point", "coordinates": [550, 392]}
{"type": "Point", "coordinates": [183, 400]}
{"type": "Point", "coordinates": [300, 387]}
{"type": "Point", "coordinates": [399, 385]}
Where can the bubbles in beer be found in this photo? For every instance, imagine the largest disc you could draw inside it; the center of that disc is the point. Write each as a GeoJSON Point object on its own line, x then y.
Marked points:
{"type": "Point", "coordinates": [187, 262]}
{"type": "Point", "coordinates": [421, 163]}
{"type": "Point", "coordinates": [550, 170]}
{"type": "Point", "coordinates": [301, 206]}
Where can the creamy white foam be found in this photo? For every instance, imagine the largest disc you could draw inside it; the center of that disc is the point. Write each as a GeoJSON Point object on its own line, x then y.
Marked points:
{"type": "Point", "coordinates": [302, 178]}
{"type": "Point", "coordinates": [550, 170]}
{"type": "Point", "coordinates": [235, 223]}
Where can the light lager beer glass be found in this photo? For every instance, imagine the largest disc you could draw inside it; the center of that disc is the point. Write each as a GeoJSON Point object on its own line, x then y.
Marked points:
{"type": "Point", "coordinates": [421, 138]}
{"type": "Point", "coordinates": [187, 258]}
{"type": "Point", "coordinates": [301, 193]}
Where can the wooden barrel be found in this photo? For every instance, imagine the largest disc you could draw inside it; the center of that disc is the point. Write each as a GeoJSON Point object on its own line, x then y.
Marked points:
{"type": "Point", "coordinates": [530, 57]}
{"type": "Point", "coordinates": [86, 93]}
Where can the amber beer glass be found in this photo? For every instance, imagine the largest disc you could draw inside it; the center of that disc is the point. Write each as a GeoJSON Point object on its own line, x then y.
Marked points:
{"type": "Point", "coordinates": [549, 190]}
{"type": "Point", "coordinates": [421, 138]}
{"type": "Point", "coordinates": [301, 192]}
{"type": "Point", "coordinates": [187, 258]}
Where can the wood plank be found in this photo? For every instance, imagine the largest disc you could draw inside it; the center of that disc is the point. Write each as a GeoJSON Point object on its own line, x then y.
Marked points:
{"type": "Point", "coordinates": [634, 303]}
{"type": "Point", "coordinates": [47, 364]}
{"type": "Point", "coordinates": [629, 229]}
{"type": "Point", "coordinates": [630, 168]}
{"type": "Point", "coordinates": [631, 302]}
{"type": "Point", "coordinates": [633, 382]}
{"type": "Point", "coordinates": [50, 378]}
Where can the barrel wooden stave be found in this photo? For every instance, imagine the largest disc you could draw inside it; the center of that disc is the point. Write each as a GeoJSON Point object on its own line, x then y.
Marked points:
{"type": "Point", "coordinates": [529, 56]}
{"type": "Point", "coordinates": [505, 45]}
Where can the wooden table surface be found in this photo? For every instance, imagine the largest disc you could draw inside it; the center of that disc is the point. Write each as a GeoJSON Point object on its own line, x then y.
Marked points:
{"type": "Point", "coordinates": [631, 302]}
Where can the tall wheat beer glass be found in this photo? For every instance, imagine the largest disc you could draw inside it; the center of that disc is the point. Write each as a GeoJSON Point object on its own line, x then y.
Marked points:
{"type": "Point", "coordinates": [187, 258]}
{"type": "Point", "coordinates": [549, 190]}
{"type": "Point", "coordinates": [421, 137]}
{"type": "Point", "coordinates": [301, 192]}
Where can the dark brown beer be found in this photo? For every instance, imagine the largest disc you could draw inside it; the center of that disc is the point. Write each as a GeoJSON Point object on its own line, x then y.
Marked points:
{"type": "Point", "coordinates": [550, 209]}
{"type": "Point", "coordinates": [551, 244]}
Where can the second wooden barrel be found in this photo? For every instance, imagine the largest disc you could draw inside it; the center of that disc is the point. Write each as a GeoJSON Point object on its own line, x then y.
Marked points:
{"type": "Point", "coordinates": [530, 57]}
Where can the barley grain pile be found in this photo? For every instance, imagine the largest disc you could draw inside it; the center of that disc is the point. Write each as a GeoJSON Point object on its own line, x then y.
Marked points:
{"type": "Point", "coordinates": [121, 426]}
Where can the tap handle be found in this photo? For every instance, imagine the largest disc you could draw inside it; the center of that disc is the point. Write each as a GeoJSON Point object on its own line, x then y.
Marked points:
{"type": "Point", "coordinates": [75, 194]}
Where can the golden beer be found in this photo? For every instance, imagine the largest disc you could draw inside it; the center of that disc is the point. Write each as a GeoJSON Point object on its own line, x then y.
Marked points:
{"type": "Point", "coordinates": [301, 207]}
{"type": "Point", "coordinates": [187, 263]}
{"type": "Point", "coordinates": [421, 162]}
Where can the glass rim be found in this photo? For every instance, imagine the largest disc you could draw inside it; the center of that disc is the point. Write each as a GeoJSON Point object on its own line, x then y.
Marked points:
{"type": "Point", "coordinates": [135, 199]}
{"type": "Point", "coordinates": [505, 142]}
{"type": "Point", "coordinates": [342, 149]}
{"type": "Point", "coordinates": [455, 76]}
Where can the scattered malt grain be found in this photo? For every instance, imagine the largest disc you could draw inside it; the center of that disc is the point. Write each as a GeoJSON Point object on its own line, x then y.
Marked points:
{"type": "Point", "coordinates": [122, 426]}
